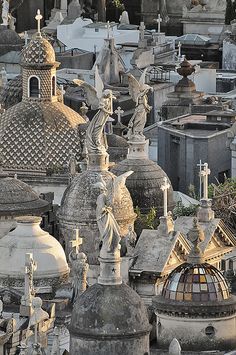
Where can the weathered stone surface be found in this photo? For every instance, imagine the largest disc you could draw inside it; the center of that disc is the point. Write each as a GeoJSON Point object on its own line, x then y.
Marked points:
{"type": "Point", "coordinates": [109, 320]}
{"type": "Point", "coordinates": [144, 184]}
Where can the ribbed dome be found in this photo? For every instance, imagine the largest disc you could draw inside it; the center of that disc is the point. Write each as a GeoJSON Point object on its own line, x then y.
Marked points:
{"type": "Point", "coordinates": [18, 198]}
{"type": "Point", "coordinates": [38, 52]}
{"type": "Point", "coordinates": [109, 311]}
{"type": "Point", "coordinates": [196, 283]}
{"type": "Point", "coordinates": [144, 184]}
{"type": "Point", "coordinates": [38, 135]}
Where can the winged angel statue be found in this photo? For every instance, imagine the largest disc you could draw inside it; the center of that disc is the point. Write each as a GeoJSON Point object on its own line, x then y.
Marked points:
{"type": "Point", "coordinates": [103, 101]}
{"type": "Point", "coordinates": [138, 91]}
{"type": "Point", "coordinates": [110, 193]}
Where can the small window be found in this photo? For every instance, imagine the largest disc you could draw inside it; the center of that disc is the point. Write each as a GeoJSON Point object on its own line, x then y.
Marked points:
{"type": "Point", "coordinates": [34, 87]}
{"type": "Point", "coordinates": [210, 331]}
{"type": "Point", "coordinates": [53, 86]}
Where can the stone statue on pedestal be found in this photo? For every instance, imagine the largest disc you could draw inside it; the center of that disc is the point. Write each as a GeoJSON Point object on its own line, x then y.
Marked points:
{"type": "Point", "coordinates": [79, 270]}
{"type": "Point", "coordinates": [138, 92]}
{"type": "Point", "coordinates": [107, 225]}
{"type": "Point", "coordinates": [103, 101]}
{"type": "Point", "coordinates": [5, 12]}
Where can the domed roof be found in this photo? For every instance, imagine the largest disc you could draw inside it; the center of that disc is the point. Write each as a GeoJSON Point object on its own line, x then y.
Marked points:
{"type": "Point", "coordinates": [196, 283]}
{"type": "Point", "coordinates": [38, 52]}
{"type": "Point", "coordinates": [117, 147]}
{"type": "Point", "coordinates": [28, 237]}
{"type": "Point", "coordinates": [38, 135]}
{"type": "Point", "coordinates": [109, 311]}
{"type": "Point", "coordinates": [144, 184]}
{"type": "Point", "coordinates": [18, 198]}
{"type": "Point", "coordinates": [9, 37]}
{"type": "Point", "coordinates": [114, 140]}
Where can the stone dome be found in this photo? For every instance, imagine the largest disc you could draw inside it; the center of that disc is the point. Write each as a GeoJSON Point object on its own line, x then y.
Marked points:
{"type": "Point", "coordinates": [78, 209]}
{"type": "Point", "coordinates": [112, 311]}
{"type": "Point", "coordinates": [144, 184]}
{"type": "Point", "coordinates": [38, 52]}
{"type": "Point", "coordinates": [117, 147]}
{"type": "Point", "coordinates": [28, 237]}
{"type": "Point", "coordinates": [196, 283]}
{"type": "Point", "coordinates": [18, 198]}
{"type": "Point", "coordinates": [9, 37]}
{"type": "Point", "coordinates": [38, 136]}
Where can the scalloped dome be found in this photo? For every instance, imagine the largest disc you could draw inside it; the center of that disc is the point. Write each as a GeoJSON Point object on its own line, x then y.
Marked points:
{"type": "Point", "coordinates": [38, 52]}
{"type": "Point", "coordinates": [196, 283]}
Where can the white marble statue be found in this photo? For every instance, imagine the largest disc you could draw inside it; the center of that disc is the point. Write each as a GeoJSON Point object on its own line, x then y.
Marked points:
{"type": "Point", "coordinates": [124, 18]}
{"type": "Point", "coordinates": [74, 10]}
{"type": "Point", "coordinates": [79, 270]}
{"type": "Point", "coordinates": [5, 12]}
{"type": "Point", "coordinates": [103, 101]}
{"type": "Point", "coordinates": [138, 91]}
{"type": "Point", "coordinates": [107, 224]}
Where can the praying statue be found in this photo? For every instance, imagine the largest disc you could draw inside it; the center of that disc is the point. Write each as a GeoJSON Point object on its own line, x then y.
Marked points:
{"type": "Point", "coordinates": [79, 270]}
{"type": "Point", "coordinates": [138, 91]}
{"type": "Point", "coordinates": [108, 227]}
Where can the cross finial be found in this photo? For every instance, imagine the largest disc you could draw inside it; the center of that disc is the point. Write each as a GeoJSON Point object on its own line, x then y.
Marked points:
{"type": "Point", "coordinates": [165, 187]}
{"type": "Point", "coordinates": [38, 18]}
{"type": "Point", "coordinates": [119, 113]}
{"type": "Point", "coordinates": [76, 242]}
{"type": "Point", "coordinates": [142, 30]}
{"type": "Point", "coordinates": [205, 173]}
{"type": "Point", "coordinates": [159, 20]}
{"type": "Point", "coordinates": [108, 26]}
{"type": "Point", "coordinates": [179, 49]}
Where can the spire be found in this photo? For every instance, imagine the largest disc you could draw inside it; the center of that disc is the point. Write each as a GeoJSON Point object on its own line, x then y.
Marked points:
{"type": "Point", "coordinates": [38, 18]}
{"type": "Point", "coordinates": [165, 187]}
{"type": "Point", "coordinates": [166, 222]}
{"type": "Point", "coordinates": [195, 236]}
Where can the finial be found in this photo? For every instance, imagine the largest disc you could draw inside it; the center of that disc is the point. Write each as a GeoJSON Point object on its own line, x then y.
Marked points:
{"type": "Point", "coordinates": [158, 21]}
{"type": "Point", "coordinates": [195, 236]}
{"type": "Point", "coordinates": [76, 242]}
{"type": "Point", "coordinates": [205, 173]}
{"type": "Point", "coordinates": [119, 112]}
{"type": "Point", "coordinates": [108, 26]}
{"type": "Point", "coordinates": [38, 18]}
{"type": "Point", "coordinates": [165, 187]}
{"type": "Point", "coordinates": [185, 68]}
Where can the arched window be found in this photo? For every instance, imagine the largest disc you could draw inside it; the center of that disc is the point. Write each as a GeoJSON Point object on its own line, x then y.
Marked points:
{"type": "Point", "coordinates": [53, 86]}
{"type": "Point", "coordinates": [34, 87]}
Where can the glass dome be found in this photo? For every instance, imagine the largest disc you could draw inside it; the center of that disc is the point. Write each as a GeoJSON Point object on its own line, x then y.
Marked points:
{"type": "Point", "coordinates": [196, 283]}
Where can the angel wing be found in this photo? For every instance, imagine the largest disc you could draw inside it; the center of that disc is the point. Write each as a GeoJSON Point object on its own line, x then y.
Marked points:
{"type": "Point", "coordinates": [143, 77]}
{"type": "Point", "coordinates": [117, 185]}
{"type": "Point", "coordinates": [134, 87]}
{"type": "Point", "coordinates": [91, 93]}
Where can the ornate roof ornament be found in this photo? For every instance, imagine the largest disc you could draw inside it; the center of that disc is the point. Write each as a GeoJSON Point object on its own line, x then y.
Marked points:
{"type": "Point", "coordinates": [195, 236]}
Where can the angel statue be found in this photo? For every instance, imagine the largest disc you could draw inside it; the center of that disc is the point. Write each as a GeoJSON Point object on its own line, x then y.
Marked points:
{"type": "Point", "coordinates": [103, 101]}
{"type": "Point", "coordinates": [138, 91]}
{"type": "Point", "coordinates": [108, 227]}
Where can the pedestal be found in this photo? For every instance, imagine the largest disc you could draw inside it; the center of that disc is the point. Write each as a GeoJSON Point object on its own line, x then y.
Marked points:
{"type": "Point", "coordinates": [205, 213]}
{"type": "Point", "coordinates": [110, 271]}
{"type": "Point", "coordinates": [138, 149]}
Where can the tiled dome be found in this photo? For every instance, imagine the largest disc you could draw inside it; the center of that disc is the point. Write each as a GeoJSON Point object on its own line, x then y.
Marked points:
{"type": "Point", "coordinates": [38, 52]}
{"type": "Point", "coordinates": [196, 283]}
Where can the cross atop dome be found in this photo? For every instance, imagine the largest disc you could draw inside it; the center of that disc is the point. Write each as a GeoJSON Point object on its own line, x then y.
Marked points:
{"type": "Point", "coordinates": [38, 18]}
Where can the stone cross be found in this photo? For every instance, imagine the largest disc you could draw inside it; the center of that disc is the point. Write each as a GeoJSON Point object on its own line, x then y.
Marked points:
{"type": "Point", "coordinates": [26, 299]}
{"type": "Point", "coordinates": [200, 178]}
{"type": "Point", "coordinates": [165, 187]}
{"type": "Point", "coordinates": [119, 113]}
{"type": "Point", "coordinates": [76, 242]}
{"type": "Point", "coordinates": [38, 18]}
{"type": "Point", "coordinates": [205, 172]}
{"type": "Point", "coordinates": [179, 49]}
{"type": "Point", "coordinates": [108, 26]}
{"type": "Point", "coordinates": [142, 30]}
{"type": "Point", "coordinates": [159, 21]}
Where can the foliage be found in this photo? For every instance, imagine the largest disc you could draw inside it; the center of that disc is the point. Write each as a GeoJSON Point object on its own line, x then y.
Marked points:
{"type": "Point", "coordinates": [181, 210]}
{"type": "Point", "coordinates": [146, 221]}
{"type": "Point", "coordinates": [118, 4]}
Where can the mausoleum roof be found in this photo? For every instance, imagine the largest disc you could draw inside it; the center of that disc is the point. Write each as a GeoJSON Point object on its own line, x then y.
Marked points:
{"type": "Point", "coordinates": [18, 198]}
{"type": "Point", "coordinates": [109, 311]}
{"type": "Point", "coordinates": [38, 52]}
{"type": "Point", "coordinates": [9, 37]}
{"type": "Point", "coordinates": [37, 135]}
{"type": "Point", "coordinates": [197, 283]}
